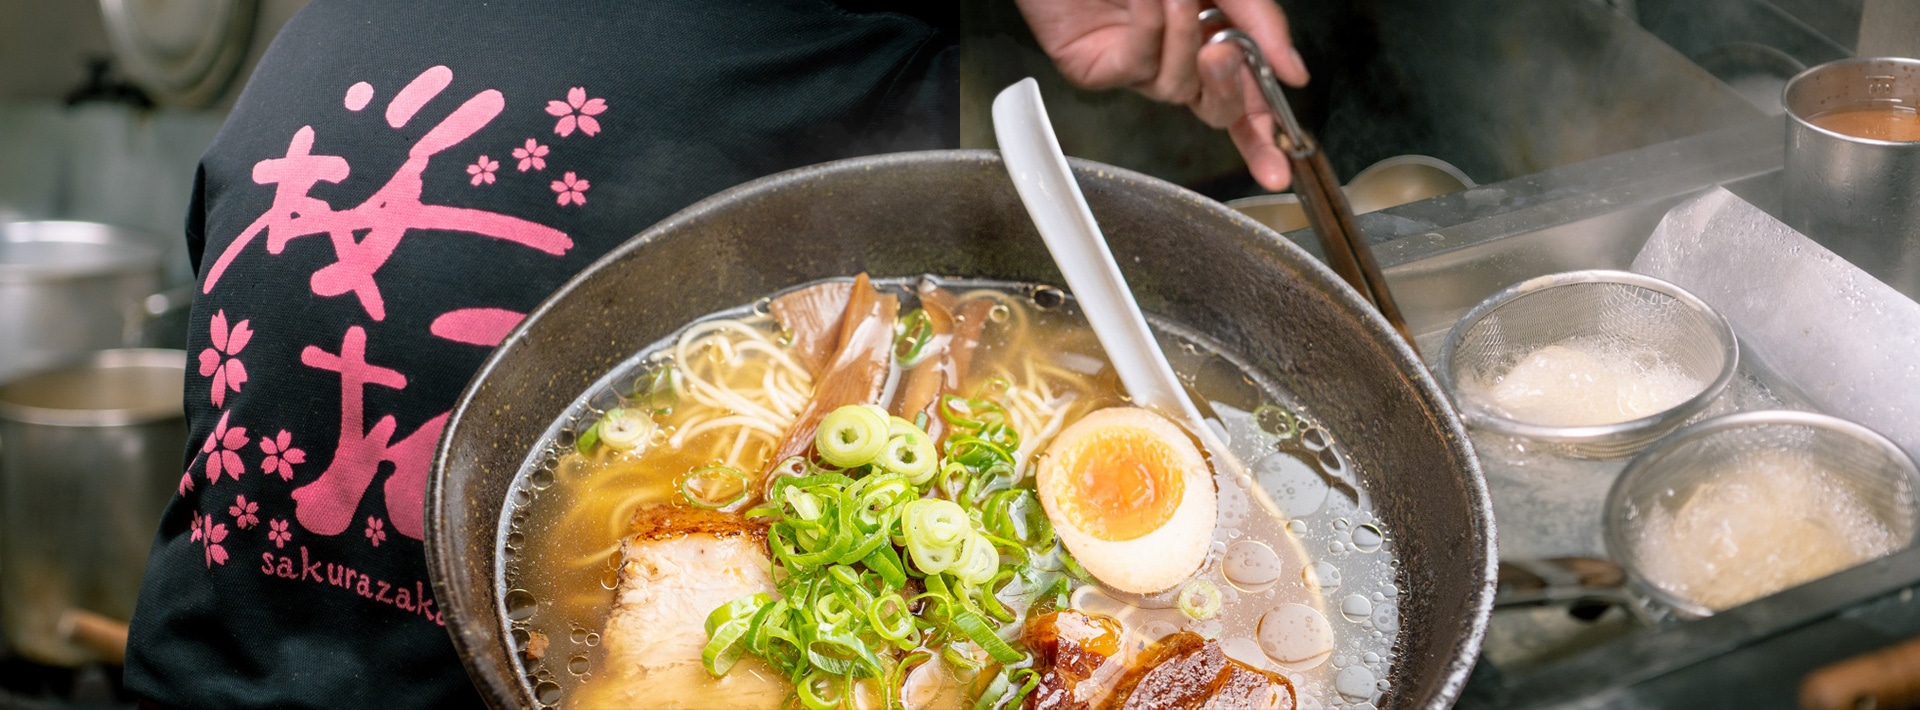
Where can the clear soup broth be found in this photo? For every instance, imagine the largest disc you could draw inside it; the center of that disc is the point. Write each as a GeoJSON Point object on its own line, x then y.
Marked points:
{"type": "Point", "coordinates": [1304, 571]}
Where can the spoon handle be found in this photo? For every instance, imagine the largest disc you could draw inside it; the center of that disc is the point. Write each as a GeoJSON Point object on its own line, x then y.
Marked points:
{"type": "Point", "coordinates": [1046, 185]}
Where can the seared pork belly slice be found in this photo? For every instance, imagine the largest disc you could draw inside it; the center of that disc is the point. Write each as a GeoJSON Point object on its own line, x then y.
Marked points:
{"type": "Point", "coordinates": [1187, 672]}
{"type": "Point", "coordinates": [680, 565]}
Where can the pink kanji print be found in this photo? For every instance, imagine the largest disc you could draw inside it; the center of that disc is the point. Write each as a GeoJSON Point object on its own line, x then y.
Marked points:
{"type": "Point", "coordinates": [281, 455]}
{"type": "Point", "coordinates": [532, 156]}
{"type": "Point", "coordinates": [327, 505]}
{"type": "Point", "coordinates": [244, 512]}
{"type": "Point", "coordinates": [223, 450]}
{"type": "Point", "coordinates": [210, 534]}
{"type": "Point", "coordinates": [571, 189]}
{"type": "Point", "coordinates": [376, 530]}
{"type": "Point", "coordinates": [227, 372]}
{"type": "Point", "coordinates": [482, 170]}
{"type": "Point", "coordinates": [364, 236]}
{"type": "Point", "coordinates": [577, 110]}
{"type": "Point", "coordinates": [277, 532]}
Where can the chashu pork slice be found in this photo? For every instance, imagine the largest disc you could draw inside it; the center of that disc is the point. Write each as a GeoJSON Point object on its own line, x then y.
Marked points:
{"type": "Point", "coordinates": [681, 564]}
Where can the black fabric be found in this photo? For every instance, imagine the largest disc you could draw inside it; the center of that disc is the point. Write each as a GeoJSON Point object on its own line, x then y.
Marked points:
{"type": "Point", "coordinates": [355, 273]}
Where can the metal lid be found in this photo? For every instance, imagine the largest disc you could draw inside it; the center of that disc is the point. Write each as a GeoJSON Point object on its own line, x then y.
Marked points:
{"type": "Point", "coordinates": [48, 251]}
{"type": "Point", "coordinates": [109, 388]}
{"type": "Point", "coordinates": [183, 52]}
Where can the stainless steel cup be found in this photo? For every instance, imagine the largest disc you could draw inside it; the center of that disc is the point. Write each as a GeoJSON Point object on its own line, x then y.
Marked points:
{"type": "Point", "coordinates": [1856, 196]}
{"type": "Point", "coordinates": [89, 455]}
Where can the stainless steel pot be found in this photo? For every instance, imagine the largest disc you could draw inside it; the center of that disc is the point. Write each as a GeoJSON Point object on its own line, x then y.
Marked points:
{"type": "Point", "coordinates": [1187, 258]}
{"type": "Point", "coordinates": [1857, 196]}
{"type": "Point", "coordinates": [89, 455]}
{"type": "Point", "coordinates": [68, 288]}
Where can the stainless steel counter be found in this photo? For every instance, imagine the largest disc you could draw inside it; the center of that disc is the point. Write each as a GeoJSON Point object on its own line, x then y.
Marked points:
{"type": "Point", "coordinates": [1444, 255]}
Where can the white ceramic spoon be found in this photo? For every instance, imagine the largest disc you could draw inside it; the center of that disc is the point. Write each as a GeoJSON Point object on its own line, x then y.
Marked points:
{"type": "Point", "coordinates": [1060, 212]}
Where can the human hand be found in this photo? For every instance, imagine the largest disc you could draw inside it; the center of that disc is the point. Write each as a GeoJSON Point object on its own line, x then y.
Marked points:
{"type": "Point", "coordinates": [1155, 47]}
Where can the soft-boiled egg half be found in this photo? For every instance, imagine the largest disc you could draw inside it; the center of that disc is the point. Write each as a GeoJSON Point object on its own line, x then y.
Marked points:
{"type": "Point", "coordinates": [1131, 497]}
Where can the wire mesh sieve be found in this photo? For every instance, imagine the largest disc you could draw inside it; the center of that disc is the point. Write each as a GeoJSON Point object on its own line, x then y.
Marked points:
{"type": "Point", "coordinates": [1849, 468]}
{"type": "Point", "coordinates": [1668, 353]}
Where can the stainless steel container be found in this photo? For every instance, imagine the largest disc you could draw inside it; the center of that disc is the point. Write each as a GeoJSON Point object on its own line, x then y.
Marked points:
{"type": "Point", "coordinates": [68, 288]}
{"type": "Point", "coordinates": [1856, 196]}
{"type": "Point", "coordinates": [89, 455]}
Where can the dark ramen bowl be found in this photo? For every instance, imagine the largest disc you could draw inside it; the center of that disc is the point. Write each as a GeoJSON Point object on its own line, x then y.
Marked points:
{"type": "Point", "coordinates": [955, 213]}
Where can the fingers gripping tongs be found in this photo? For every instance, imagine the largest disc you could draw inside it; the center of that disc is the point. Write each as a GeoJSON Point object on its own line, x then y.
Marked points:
{"type": "Point", "coordinates": [1314, 181]}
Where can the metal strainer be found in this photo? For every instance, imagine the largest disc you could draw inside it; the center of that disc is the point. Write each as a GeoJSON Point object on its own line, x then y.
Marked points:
{"type": "Point", "coordinates": [1877, 479]}
{"type": "Point", "coordinates": [1642, 321]}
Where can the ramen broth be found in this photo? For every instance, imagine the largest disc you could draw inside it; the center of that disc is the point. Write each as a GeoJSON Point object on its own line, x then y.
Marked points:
{"type": "Point", "coordinates": [1305, 571]}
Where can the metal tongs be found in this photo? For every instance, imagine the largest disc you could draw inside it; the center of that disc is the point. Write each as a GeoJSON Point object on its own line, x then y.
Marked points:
{"type": "Point", "coordinates": [1314, 181]}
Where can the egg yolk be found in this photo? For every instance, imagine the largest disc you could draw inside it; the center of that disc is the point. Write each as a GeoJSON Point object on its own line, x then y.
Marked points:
{"type": "Point", "coordinates": [1120, 483]}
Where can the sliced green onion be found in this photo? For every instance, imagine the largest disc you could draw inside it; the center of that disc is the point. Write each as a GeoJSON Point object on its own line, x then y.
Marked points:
{"type": "Point", "coordinates": [726, 627]}
{"type": "Point", "coordinates": [853, 435]}
{"type": "Point", "coordinates": [978, 560]}
{"type": "Point", "coordinates": [891, 619]}
{"type": "Point", "coordinates": [980, 633]}
{"type": "Point", "coordinates": [622, 430]}
{"type": "Point", "coordinates": [810, 688]}
{"type": "Point", "coordinates": [1200, 599]}
{"type": "Point", "coordinates": [914, 339]}
{"type": "Point", "coordinates": [588, 439]}
{"type": "Point", "coordinates": [715, 487]}
{"type": "Point", "coordinates": [910, 454]}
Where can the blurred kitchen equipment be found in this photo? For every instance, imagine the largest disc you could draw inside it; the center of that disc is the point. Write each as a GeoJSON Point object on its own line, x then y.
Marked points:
{"type": "Point", "coordinates": [183, 52]}
{"type": "Point", "coordinates": [1887, 679]}
{"type": "Point", "coordinates": [76, 287]}
{"type": "Point", "coordinates": [1853, 459]}
{"type": "Point", "coordinates": [1389, 183]}
{"type": "Point", "coordinates": [1344, 245]}
{"type": "Point", "coordinates": [1857, 196]}
{"type": "Point", "coordinates": [1611, 308]}
{"type": "Point", "coordinates": [89, 455]}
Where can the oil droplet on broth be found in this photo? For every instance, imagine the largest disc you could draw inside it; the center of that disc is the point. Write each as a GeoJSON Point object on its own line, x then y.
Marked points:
{"type": "Point", "coordinates": [1368, 538]}
{"type": "Point", "coordinates": [577, 665]}
{"type": "Point", "coordinates": [520, 604]}
{"type": "Point", "coordinates": [1321, 574]}
{"type": "Point", "coordinates": [1251, 565]}
{"type": "Point", "coordinates": [1387, 618]}
{"type": "Point", "coordinates": [579, 635]}
{"type": "Point", "coordinates": [1355, 682]}
{"type": "Point", "coordinates": [1296, 636]}
{"type": "Point", "coordinates": [547, 692]}
{"type": "Point", "coordinates": [1356, 608]}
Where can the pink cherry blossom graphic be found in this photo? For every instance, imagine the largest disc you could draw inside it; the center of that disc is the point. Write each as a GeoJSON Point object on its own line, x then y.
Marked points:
{"type": "Point", "coordinates": [210, 534]}
{"type": "Point", "coordinates": [577, 110]}
{"type": "Point", "coordinates": [223, 445]}
{"type": "Point", "coordinates": [243, 512]}
{"type": "Point", "coordinates": [376, 530]}
{"type": "Point", "coordinates": [278, 533]}
{"type": "Point", "coordinates": [227, 372]}
{"type": "Point", "coordinates": [482, 170]}
{"type": "Point", "coordinates": [186, 483]}
{"type": "Point", "coordinates": [280, 455]}
{"type": "Point", "coordinates": [571, 189]}
{"type": "Point", "coordinates": [532, 156]}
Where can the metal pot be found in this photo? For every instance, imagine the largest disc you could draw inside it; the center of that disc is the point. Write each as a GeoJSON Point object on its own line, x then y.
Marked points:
{"type": "Point", "coordinates": [1859, 197]}
{"type": "Point", "coordinates": [1188, 258]}
{"type": "Point", "coordinates": [68, 288]}
{"type": "Point", "coordinates": [89, 455]}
